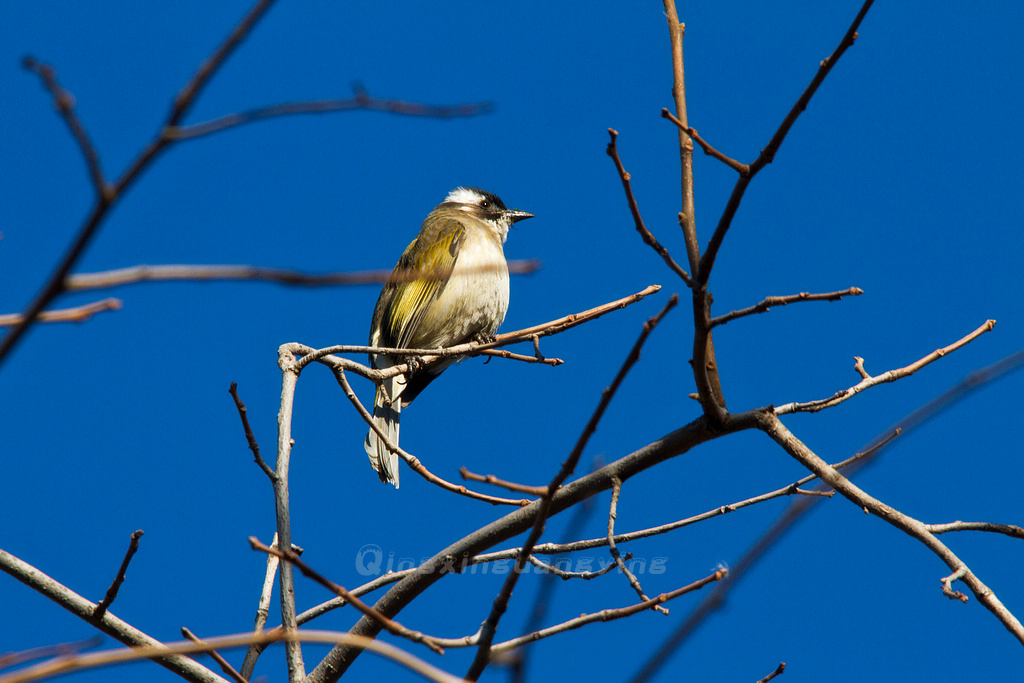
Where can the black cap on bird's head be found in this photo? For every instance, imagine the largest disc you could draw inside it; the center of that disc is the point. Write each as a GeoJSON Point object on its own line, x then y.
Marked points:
{"type": "Point", "coordinates": [485, 204]}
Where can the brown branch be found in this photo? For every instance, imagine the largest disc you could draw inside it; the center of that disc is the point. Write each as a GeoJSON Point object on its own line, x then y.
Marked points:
{"type": "Point", "coordinates": [566, 575]}
{"type": "Point", "coordinates": [648, 238]}
{"type": "Point", "coordinates": [76, 314]}
{"type": "Point", "coordinates": [494, 481]}
{"type": "Point", "coordinates": [1008, 529]}
{"type": "Point", "coordinates": [9, 659]}
{"type": "Point", "coordinates": [612, 514]}
{"type": "Point", "coordinates": [360, 102]}
{"type": "Point", "coordinates": [607, 615]}
{"type": "Point", "coordinates": [703, 273]}
{"type": "Point", "coordinates": [891, 376]}
{"type": "Point", "coordinates": [187, 96]}
{"type": "Point", "coordinates": [969, 384]}
{"type": "Point", "coordinates": [67, 664]}
{"type": "Point", "coordinates": [107, 193]}
{"type": "Point", "coordinates": [770, 424]}
{"type": "Point", "coordinates": [737, 166]}
{"type": "Point", "coordinates": [411, 459]}
{"type": "Point", "coordinates": [769, 302]}
{"type": "Point", "coordinates": [174, 272]}
{"type": "Point", "coordinates": [65, 104]}
{"type": "Point", "coordinates": [489, 627]}
{"type": "Point", "coordinates": [252, 653]}
{"type": "Point", "coordinates": [126, 633]}
{"type": "Point", "coordinates": [505, 353]}
{"type": "Point", "coordinates": [254, 446]}
{"type": "Point", "coordinates": [549, 328]}
{"type": "Point", "coordinates": [216, 656]}
{"type": "Point", "coordinates": [108, 599]}
{"type": "Point", "coordinates": [779, 670]}
{"type": "Point", "coordinates": [391, 626]}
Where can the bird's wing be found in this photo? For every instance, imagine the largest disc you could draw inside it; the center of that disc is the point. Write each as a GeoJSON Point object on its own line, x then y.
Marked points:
{"type": "Point", "coordinates": [411, 295]}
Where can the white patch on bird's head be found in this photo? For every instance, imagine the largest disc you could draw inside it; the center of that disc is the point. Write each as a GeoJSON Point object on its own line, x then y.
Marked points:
{"type": "Point", "coordinates": [465, 195]}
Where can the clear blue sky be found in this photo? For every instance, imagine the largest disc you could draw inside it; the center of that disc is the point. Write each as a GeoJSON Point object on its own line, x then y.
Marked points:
{"type": "Point", "coordinates": [902, 178]}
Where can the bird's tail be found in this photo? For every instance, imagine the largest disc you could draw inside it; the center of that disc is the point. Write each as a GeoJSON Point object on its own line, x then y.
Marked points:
{"type": "Point", "coordinates": [386, 414]}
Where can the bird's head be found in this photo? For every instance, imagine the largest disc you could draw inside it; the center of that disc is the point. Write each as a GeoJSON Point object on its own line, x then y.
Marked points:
{"type": "Point", "coordinates": [487, 207]}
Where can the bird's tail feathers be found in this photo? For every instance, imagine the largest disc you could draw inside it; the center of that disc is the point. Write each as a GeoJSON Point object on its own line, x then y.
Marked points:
{"type": "Point", "coordinates": [386, 414]}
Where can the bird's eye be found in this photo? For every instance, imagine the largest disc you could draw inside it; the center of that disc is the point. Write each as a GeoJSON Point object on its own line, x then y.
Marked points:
{"type": "Point", "coordinates": [485, 204]}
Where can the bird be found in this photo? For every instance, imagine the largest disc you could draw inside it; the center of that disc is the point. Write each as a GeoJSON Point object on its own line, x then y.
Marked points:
{"type": "Point", "coordinates": [449, 287]}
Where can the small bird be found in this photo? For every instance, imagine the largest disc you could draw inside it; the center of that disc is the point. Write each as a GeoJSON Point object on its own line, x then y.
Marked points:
{"type": "Point", "coordinates": [449, 287]}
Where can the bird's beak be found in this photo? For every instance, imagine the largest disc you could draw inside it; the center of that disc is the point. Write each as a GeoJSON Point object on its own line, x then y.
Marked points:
{"type": "Point", "coordinates": [515, 215]}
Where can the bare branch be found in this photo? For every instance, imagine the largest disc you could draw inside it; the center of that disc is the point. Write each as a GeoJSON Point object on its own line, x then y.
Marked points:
{"type": "Point", "coordinates": [566, 575]}
{"type": "Point", "coordinates": [65, 103]}
{"type": "Point", "coordinates": [1008, 529]}
{"type": "Point", "coordinates": [606, 615]}
{"type": "Point", "coordinates": [778, 672]}
{"type": "Point", "coordinates": [187, 96]}
{"type": "Point", "coordinates": [173, 272]}
{"type": "Point", "coordinates": [361, 101]}
{"type": "Point", "coordinates": [10, 659]}
{"type": "Point", "coordinates": [612, 514]}
{"type": "Point", "coordinates": [243, 413]}
{"type": "Point", "coordinates": [648, 238]}
{"type": "Point", "coordinates": [108, 599]}
{"type": "Point", "coordinates": [32, 577]}
{"type": "Point", "coordinates": [252, 653]}
{"type": "Point", "coordinates": [392, 627]}
{"type": "Point", "coordinates": [890, 376]}
{"type": "Point", "coordinates": [489, 627]}
{"type": "Point", "coordinates": [969, 384]}
{"type": "Point", "coordinates": [707, 261]}
{"type": "Point", "coordinates": [81, 662]}
{"type": "Point", "coordinates": [409, 458]}
{"type": "Point", "coordinates": [494, 481]}
{"type": "Point", "coordinates": [770, 424]}
{"type": "Point", "coordinates": [771, 301]}
{"type": "Point", "coordinates": [737, 166]}
{"type": "Point", "coordinates": [76, 314]}
{"type": "Point", "coordinates": [216, 656]}
{"type": "Point", "coordinates": [549, 328]}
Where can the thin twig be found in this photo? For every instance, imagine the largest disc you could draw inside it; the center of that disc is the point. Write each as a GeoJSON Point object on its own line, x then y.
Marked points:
{"type": "Point", "coordinates": [612, 514]}
{"type": "Point", "coordinates": [779, 670]}
{"type": "Point", "coordinates": [566, 575]}
{"type": "Point", "coordinates": [250, 438]}
{"type": "Point", "coordinates": [252, 653]}
{"type": "Point", "coordinates": [215, 656]}
{"type": "Point", "coordinates": [391, 626]}
{"type": "Point", "coordinates": [891, 376]}
{"type": "Point", "coordinates": [9, 659]}
{"type": "Point", "coordinates": [108, 599]}
{"type": "Point", "coordinates": [65, 104]}
{"type": "Point", "coordinates": [411, 459]}
{"type": "Point", "coordinates": [63, 665]}
{"type": "Point", "coordinates": [361, 102]}
{"type": "Point", "coordinates": [1007, 529]}
{"type": "Point", "coordinates": [771, 301]}
{"type": "Point", "coordinates": [606, 615]}
{"type": "Point", "coordinates": [648, 238]}
{"type": "Point", "coordinates": [707, 261]}
{"type": "Point", "coordinates": [970, 383]}
{"type": "Point", "coordinates": [737, 166]}
{"type": "Point", "coordinates": [202, 272]}
{"type": "Point", "coordinates": [500, 604]}
{"type": "Point", "coordinates": [76, 314]}
{"type": "Point", "coordinates": [770, 424]}
{"type": "Point", "coordinates": [510, 485]}
{"type": "Point", "coordinates": [108, 623]}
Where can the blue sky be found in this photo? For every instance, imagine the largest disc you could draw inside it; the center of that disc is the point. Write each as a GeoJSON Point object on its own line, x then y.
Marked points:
{"type": "Point", "coordinates": [902, 178]}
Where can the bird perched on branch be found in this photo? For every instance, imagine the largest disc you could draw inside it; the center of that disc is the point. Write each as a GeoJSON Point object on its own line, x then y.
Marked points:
{"type": "Point", "coordinates": [449, 287]}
